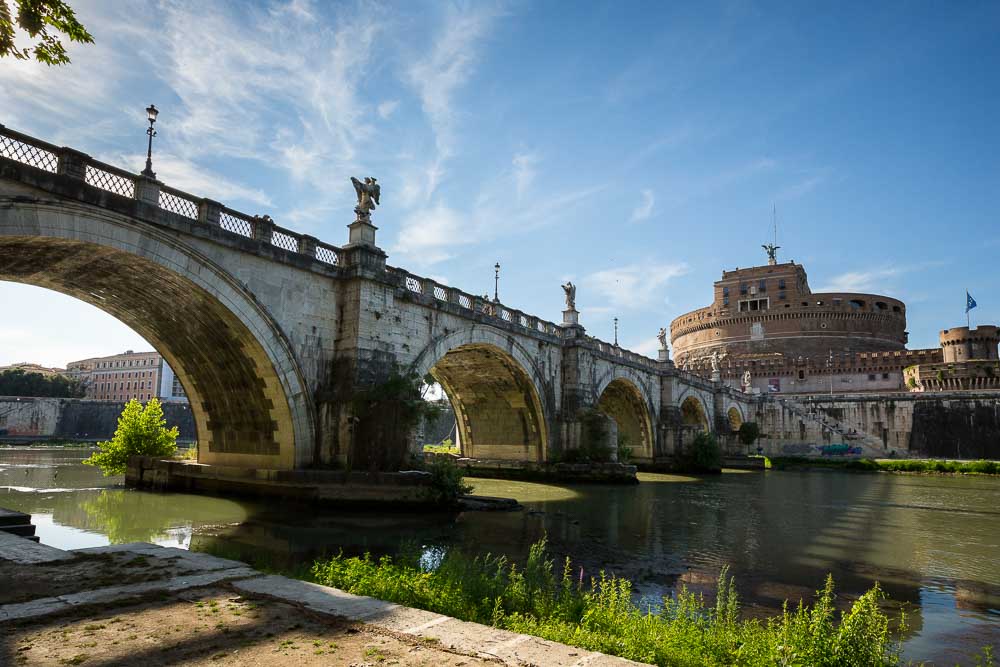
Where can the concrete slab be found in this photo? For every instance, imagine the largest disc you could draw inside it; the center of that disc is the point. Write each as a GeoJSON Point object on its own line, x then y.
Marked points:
{"type": "Point", "coordinates": [471, 638]}
{"type": "Point", "coordinates": [28, 552]}
{"type": "Point", "coordinates": [62, 603]}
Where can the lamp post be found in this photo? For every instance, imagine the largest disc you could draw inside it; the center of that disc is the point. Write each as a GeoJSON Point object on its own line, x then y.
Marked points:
{"type": "Point", "coordinates": [151, 113]}
{"type": "Point", "coordinates": [496, 282]}
{"type": "Point", "coordinates": [616, 332]}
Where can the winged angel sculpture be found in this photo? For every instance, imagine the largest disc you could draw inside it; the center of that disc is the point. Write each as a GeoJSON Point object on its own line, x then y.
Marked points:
{"type": "Point", "coordinates": [368, 193]}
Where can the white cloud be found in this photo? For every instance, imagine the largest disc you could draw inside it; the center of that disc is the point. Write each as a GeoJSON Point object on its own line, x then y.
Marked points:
{"type": "Point", "coordinates": [524, 172]}
{"type": "Point", "coordinates": [427, 236]}
{"type": "Point", "coordinates": [648, 347]}
{"type": "Point", "coordinates": [644, 209]}
{"type": "Point", "coordinates": [387, 108]}
{"type": "Point", "coordinates": [876, 280]}
{"type": "Point", "coordinates": [636, 286]}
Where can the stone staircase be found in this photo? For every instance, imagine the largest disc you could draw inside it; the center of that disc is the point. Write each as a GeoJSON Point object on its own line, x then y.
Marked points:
{"type": "Point", "coordinates": [17, 523]}
{"type": "Point", "coordinates": [871, 446]}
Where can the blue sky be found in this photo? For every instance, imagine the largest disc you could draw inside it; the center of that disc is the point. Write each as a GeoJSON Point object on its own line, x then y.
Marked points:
{"type": "Point", "coordinates": [635, 148]}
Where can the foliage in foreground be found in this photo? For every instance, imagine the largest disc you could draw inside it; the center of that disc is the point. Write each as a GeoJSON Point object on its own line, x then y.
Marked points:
{"type": "Point", "coordinates": [600, 614]}
{"type": "Point", "coordinates": [446, 447]}
{"type": "Point", "coordinates": [704, 455]}
{"type": "Point", "coordinates": [141, 431]}
{"type": "Point", "coordinates": [37, 17]}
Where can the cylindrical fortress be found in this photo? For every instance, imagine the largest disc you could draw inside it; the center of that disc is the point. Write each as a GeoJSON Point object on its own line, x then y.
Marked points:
{"type": "Point", "coordinates": [770, 310]}
{"type": "Point", "coordinates": [963, 344]}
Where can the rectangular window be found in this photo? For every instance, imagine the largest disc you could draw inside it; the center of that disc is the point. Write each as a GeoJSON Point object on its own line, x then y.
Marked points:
{"type": "Point", "coordinates": [781, 296]}
{"type": "Point", "coordinates": [763, 285]}
{"type": "Point", "coordinates": [725, 291]}
{"type": "Point", "coordinates": [885, 376]}
{"type": "Point", "coordinates": [725, 301]}
{"type": "Point", "coordinates": [781, 283]}
{"type": "Point", "coordinates": [871, 377]}
{"type": "Point", "coordinates": [743, 288]}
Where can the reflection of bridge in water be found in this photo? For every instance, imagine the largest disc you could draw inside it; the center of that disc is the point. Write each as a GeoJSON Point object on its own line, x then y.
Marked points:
{"type": "Point", "coordinates": [273, 333]}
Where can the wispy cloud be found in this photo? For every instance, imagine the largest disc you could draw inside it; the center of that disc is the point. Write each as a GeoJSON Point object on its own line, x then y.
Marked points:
{"type": "Point", "coordinates": [644, 208]}
{"type": "Point", "coordinates": [874, 280]}
{"type": "Point", "coordinates": [387, 108]}
{"type": "Point", "coordinates": [524, 172]}
{"type": "Point", "coordinates": [638, 285]}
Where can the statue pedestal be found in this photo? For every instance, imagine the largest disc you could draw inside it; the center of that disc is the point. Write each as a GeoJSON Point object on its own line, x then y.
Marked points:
{"type": "Point", "coordinates": [664, 355]}
{"type": "Point", "coordinates": [362, 232]}
{"type": "Point", "coordinates": [716, 376]}
{"type": "Point", "coordinates": [571, 317]}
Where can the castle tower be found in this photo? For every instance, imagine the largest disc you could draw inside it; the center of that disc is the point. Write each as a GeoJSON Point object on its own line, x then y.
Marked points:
{"type": "Point", "coordinates": [964, 344]}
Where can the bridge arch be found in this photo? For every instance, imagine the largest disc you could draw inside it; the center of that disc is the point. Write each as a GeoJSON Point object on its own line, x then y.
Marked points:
{"type": "Point", "coordinates": [496, 391]}
{"type": "Point", "coordinates": [694, 413]}
{"type": "Point", "coordinates": [248, 398]}
{"type": "Point", "coordinates": [622, 399]}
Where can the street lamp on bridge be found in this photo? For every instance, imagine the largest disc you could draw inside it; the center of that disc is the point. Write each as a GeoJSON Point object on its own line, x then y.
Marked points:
{"type": "Point", "coordinates": [151, 113]}
{"type": "Point", "coordinates": [496, 282]}
{"type": "Point", "coordinates": [616, 332]}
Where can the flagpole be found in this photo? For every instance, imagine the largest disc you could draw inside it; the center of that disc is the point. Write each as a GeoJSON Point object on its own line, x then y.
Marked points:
{"type": "Point", "coordinates": [968, 318]}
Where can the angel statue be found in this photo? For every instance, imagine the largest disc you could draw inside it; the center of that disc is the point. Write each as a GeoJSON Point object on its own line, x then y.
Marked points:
{"type": "Point", "coordinates": [747, 381]}
{"type": "Point", "coordinates": [715, 361]}
{"type": "Point", "coordinates": [662, 337]}
{"type": "Point", "coordinates": [368, 194]}
{"type": "Point", "coordinates": [570, 289]}
{"type": "Point", "coordinates": [772, 253]}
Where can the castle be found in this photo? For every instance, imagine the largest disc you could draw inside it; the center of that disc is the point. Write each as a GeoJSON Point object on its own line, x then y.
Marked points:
{"type": "Point", "coordinates": [765, 325]}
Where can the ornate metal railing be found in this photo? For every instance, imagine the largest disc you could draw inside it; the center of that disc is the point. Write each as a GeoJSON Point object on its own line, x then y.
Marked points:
{"type": "Point", "coordinates": [473, 304]}
{"type": "Point", "coordinates": [68, 162]}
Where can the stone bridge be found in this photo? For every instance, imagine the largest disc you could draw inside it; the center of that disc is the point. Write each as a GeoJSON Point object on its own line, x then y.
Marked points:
{"type": "Point", "coordinates": [274, 334]}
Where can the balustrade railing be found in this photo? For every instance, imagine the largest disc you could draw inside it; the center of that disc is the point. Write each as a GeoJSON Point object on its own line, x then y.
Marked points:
{"type": "Point", "coordinates": [66, 161]}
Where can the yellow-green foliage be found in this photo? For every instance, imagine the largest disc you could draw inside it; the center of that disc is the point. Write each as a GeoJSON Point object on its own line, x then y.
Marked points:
{"type": "Point", "coordinates": [141, 432]}
{"type": "Point", "coordinates": [600, 614]}
{"type": "Point", "coordinates": [446, 447]}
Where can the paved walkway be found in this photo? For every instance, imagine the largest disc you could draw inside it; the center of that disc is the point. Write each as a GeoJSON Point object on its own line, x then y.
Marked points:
{"type": "Point", "coordinates": [57, 584]}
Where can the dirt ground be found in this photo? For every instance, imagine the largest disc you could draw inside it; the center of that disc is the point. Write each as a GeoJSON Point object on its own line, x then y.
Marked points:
{"type": "Point", "coordinates": [213, 626]}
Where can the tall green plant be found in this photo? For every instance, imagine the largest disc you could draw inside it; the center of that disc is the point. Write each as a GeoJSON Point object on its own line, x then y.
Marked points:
{"type": "Point", "coordinates": [141, 431]}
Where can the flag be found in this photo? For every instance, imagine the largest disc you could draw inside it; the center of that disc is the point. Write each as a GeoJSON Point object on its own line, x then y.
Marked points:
{"type": "Point", "coordinates": [970, 303]}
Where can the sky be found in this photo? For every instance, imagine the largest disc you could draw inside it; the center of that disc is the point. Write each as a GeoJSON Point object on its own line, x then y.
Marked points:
{"type": "Point", "coordinates": [637, 149]}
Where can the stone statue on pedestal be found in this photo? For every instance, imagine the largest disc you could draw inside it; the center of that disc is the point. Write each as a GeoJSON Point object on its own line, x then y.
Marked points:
{"type": "Point", "coordinates": [662, 337]}
{"type": "Point", "coordinates": [368, 194]}
{"type": "Point", "coordinates": [772, 253]}
{"type": "Point", "coordinates": [570, 289]}
{"type": "Point", "coordinates": [747, 380]}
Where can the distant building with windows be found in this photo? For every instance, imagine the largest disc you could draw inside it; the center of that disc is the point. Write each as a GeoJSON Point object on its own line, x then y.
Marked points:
{"type": "Point", "coordinates": [120, 377]}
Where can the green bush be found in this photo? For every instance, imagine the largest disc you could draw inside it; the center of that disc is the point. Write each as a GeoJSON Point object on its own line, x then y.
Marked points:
{"type": "Point", "coordinates": [447, 481]}
{"type": "Point", "coordinates": [748, 433]}
{"type": "Point", "coordinates": [18, 382]}
{"type": "Point", "coordinates": [704, 455]}
{"type": "Point", "coordinates": [141, 432]}
{"type": "Point", "coordinates": [599, 613]}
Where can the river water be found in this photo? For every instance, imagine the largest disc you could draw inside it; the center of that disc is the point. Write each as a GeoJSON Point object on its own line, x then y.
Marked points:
{"type": "Point", "coordinates": [933, 542]}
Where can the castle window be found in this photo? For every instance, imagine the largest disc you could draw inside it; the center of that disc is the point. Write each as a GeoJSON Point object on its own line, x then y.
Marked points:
{"type": "Point", "coordinates": [871, 377]}
{"type": "Point", "coordinates": [802, 375]}
{"type": "Point", "coordinates": [881, 305]}
{"type": "Point", "coordinates": [781, 283]}
{"type": "Point", "coordinates": [781, 295]}
{"type": "Point", "coordinates": [857, 304]}
{"type": "Point", "coordinates": [743, 288]}
{"type": "Point", "coordinates": [725, 300]}
{"type": "Point", "coordinates": [895, 309]}
{"type": "Point", "coordinates": [885, 376]}
{"type": "Point", "coordinates": [725, 291]}
{"type": "Point", "coordinates": [838, 302]}
{"type": "Point", "coordinates": [763, 285]}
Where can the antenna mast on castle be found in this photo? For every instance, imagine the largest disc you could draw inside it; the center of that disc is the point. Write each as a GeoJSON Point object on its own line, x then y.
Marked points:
{"type": "Point", "coordinates": [772, 248]}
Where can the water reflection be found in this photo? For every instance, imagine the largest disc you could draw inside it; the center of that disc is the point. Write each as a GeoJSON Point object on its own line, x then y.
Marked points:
{"type": "Point", "coordinates": [929, 541]}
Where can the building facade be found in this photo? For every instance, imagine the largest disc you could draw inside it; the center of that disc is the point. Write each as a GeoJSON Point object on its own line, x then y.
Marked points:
{"type": "Point", "coordinates": [121, 377]}
{"type": "Point", "coordinates": [765, 321]}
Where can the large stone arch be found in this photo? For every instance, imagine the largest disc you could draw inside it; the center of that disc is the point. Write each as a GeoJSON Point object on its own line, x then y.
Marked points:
{"type": "Point", "coordinates": [622, 399]}
{"type": "Point", "coordinates": [247, 394]}
{"type": "Point", "coordinates": [694, 413]}
{"type": "Point", "coordinates": [496, 391]}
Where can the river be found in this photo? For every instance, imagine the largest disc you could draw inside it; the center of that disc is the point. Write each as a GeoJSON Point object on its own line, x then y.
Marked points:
{"type": "Point", "coordinates": [931, 541]}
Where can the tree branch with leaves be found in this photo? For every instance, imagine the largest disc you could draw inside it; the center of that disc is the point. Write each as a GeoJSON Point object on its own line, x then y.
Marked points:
{"type": "Point", "coordinates": [43, 21]}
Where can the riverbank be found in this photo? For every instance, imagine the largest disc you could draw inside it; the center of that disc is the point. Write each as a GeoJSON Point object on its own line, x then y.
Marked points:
{"type": "Point", "coordinates": [139, 602]}
{"type": "Point", "coordinates": [932, 466]}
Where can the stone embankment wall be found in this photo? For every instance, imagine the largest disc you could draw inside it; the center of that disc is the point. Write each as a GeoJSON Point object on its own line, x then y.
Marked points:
{"type": "Point", "coordinates": [23, 418]}
{"type": "Point", "coordinates": [950, 425]}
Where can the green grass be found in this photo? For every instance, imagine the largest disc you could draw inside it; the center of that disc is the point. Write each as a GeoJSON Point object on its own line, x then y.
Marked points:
{"type": "Point", "coordinates": [980, 467]}
{"type": "Point", "coordinates": [600, 614]}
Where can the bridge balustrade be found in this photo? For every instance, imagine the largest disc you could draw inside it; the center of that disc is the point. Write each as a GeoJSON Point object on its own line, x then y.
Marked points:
{"type": "Point", "coordinates": [69, 162]}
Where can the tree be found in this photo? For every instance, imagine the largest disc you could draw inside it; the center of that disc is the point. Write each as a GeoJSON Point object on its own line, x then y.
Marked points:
{"type": "Point", "coordinates": [37, 18]}
{"type": "Point", "coordinates": [18, 382]}
{"type": "Point", "coordinates": [748, 433]}
{"type": "Point", "coordinates": [141, 432]}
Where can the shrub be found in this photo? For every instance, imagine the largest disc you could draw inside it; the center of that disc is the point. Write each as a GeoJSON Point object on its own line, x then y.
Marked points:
{"type": "Point", "coordinates": [705, 455]}
{"type": "Point", "coordinates": [447, 481]}
{"type": "Point", "coordinates": [141, 432]}
{"type": "Point", "coordinates": [748, 433]}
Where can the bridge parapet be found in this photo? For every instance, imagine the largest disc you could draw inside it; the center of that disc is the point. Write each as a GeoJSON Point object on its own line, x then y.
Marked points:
{"type": "Point", "coordinates": [65, 161]}
{"type": "Point", "coordinates": [435, 291]}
